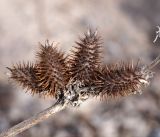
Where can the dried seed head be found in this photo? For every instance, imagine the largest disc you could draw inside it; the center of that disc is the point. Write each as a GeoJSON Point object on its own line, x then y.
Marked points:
{"type": "Point", "coordinates": [51, 69]}
{"type": "Point", "coordinates": [25, 75]}
{"type": "Point", "coordinates": [86, 56]}
{"type": "Point", "coordinates": [121, 79]}
{"type": "Point", "coordinates": [47, 76]}
{"type": "Point", "coordinates": [83, 76]}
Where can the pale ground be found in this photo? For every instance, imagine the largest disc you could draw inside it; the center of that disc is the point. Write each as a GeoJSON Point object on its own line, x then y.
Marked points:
{"type": "Point", "coordinates": [128, 29]}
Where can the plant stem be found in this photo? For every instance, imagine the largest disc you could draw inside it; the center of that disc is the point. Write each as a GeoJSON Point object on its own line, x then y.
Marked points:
{"type": "Point", "coordinates": [15, 130]}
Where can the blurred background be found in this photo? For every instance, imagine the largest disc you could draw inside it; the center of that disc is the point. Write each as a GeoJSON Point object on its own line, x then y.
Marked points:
{"type": "Point", "coordinates": [128, 29]}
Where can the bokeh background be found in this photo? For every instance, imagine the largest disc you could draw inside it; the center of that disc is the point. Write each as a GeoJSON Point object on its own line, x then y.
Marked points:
{"type": "Point", "coordinates": [128, 29]}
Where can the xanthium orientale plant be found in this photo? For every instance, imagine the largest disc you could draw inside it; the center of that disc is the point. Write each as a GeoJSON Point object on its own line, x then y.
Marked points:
{"type": "Point", "coordinates": [73, 79]}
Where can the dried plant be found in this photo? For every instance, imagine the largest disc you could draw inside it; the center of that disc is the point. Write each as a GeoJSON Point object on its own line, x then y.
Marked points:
{"type": "Point", "coordinates": [51, 69]}
{"type": "Point", "coordinates": [72, 80]}
{"type": "Point", "coordinates": [85, 58]}
{"type": "Point", "coordinates": [121, 79]}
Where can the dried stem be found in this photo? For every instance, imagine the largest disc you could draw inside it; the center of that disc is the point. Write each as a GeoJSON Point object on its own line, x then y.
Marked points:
{"type": "Point", "coordinates": [33, 120]}
{"type": "Point", "coordinates": [154, 62]}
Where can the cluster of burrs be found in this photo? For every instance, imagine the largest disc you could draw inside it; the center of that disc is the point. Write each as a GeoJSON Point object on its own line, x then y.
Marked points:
{"type": "Point", "coordinates": [73, 79]}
